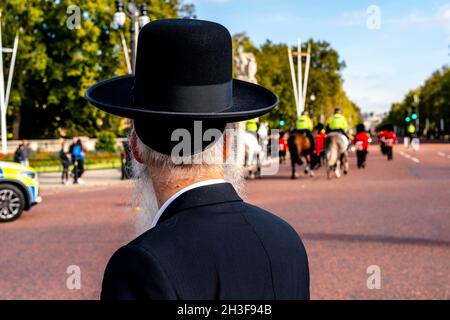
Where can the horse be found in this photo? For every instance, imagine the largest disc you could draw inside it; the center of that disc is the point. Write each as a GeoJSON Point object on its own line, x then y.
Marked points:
{"type": "Point", "coordinates": [299, 147]}
{"type": "Point", "coordinates": [249, 151]}
{"type": "Point", "coordinates": [336, 154]}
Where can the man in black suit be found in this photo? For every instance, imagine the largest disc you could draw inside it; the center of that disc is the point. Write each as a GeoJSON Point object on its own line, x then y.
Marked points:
{"type": "Point", "coordinates": [204, 242]}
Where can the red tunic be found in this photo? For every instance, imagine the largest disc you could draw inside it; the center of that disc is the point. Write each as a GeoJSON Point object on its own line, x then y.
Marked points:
{"type": "Point", "coordinates": [320, 142]}
{"type": "Point", "coordinates": [282, 144]}
{"type": "Point", "coordinates": [389, 138]}
{"type": "Point", "coordinates": [361, 141]}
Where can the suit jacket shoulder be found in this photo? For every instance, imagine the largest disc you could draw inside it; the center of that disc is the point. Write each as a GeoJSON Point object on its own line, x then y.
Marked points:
{"type": "Point", "coordinates": [134, 273]}
{"type": "Point", "coordinates": [209, 244]}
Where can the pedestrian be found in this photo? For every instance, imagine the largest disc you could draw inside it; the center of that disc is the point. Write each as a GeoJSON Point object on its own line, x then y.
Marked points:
{"type": "Point", "coordinates": [319, 151]}
{"type": "Point", "coordinates": [126, 160]}
{"type": "Point", "coordinates": [389, 140]}
{"type": "Point", "coordinates": [19, 154]}
{"type": "Point", "coordinates": [282, 147]}
{"type": "Point", "coordinates": [204, 241]}
{"type": "Point", "coordinates": [78, 155]}
{"type": "Point", "coordinates": [361, 142]}
{"type": "Point", "coordinates": [65, 164]}
{"type": "Point", "coordinates": [25, 153]}
{"type": "Point", "coordinates": [381, 140]}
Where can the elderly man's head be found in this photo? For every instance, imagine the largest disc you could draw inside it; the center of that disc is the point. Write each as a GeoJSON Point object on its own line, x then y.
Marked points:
{"type": "Point", "coordinates": [158, 176]}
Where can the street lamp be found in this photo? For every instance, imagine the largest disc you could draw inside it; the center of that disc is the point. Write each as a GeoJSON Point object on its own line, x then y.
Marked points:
{"type": "Point", "coordinates": [312, 98]}
{"type": "Point", "coordinates": [139, 18]}
{"type": "Point", "coordinates": [143, 18]}
{"type": "Point", "coordinates": [120, 16]}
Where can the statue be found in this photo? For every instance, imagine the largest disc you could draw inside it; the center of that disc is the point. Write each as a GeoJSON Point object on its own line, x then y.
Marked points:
{"type": "Point", "coordinates": [246, 66]}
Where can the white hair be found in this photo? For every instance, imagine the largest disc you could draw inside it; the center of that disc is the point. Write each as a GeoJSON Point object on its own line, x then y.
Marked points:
{"type": "Point", "coordinates": [165, 171]}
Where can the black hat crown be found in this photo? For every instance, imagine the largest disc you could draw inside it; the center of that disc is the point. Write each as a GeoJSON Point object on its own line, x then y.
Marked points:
{"type": "Point", "coordinates": [184, 65]}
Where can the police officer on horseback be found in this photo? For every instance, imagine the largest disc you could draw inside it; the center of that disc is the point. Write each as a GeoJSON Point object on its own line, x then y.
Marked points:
{"type": "Point", "coordinates": [304, 126]}
{"type": "Point", "coordinates": [338, 123]}
{"type": "Point", "coordinates": [251, 126]}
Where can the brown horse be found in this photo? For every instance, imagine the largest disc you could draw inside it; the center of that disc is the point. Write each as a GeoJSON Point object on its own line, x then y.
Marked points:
{"type": "Point", "coordinates": [299, 147]}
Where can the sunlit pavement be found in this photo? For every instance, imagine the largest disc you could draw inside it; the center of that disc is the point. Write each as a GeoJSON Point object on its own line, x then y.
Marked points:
{"type": "Point", "coordinates": [394, 215]}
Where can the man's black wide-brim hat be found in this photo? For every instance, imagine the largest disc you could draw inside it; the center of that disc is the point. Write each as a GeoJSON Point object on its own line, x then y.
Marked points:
{"type": "Point", "coordinates": [183, 73]}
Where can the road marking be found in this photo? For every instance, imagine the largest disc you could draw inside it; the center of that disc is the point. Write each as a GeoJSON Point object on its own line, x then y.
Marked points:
{"type": "Point", "coordinates": [444, 155]}
{"type": "Point", "coordinates": [407, 156]}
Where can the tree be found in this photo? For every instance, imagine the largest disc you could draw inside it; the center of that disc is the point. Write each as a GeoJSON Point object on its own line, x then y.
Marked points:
{"type": "Point", "coordinates": [325, 80]}
{"type": "Point", "coordinates": [433, 104]}
{"type": "Point", "coordinates": [56, 64]}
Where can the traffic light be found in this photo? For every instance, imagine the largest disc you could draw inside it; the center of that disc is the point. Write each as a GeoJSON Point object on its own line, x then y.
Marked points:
{"type": "Point", "coordinates": [282, 122]}
{"type": "Point", "coordinates": [407, 118]}
{"type": "Point", "coordinates": [414, 114]}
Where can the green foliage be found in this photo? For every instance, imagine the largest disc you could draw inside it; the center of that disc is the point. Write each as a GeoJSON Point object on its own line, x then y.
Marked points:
{"type": "Point", "coordinates": [106, 141]}
{"type": "Point", "coordinates": [433, 103]}
{"type": "Point", "coordinates": [325, 81]}
{"type": "Point", "coordinates": [55, 65]}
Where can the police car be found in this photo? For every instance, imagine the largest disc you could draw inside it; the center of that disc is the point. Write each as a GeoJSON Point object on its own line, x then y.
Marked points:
{"type": "Point", "coordinates": [19, 190]}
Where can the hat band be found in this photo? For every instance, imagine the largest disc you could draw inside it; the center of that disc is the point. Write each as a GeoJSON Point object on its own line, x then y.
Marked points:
{"type": "Point", "coordinates": [190, 99]}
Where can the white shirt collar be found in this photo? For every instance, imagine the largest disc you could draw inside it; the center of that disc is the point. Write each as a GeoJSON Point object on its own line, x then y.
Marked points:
{"type": "Point", "coordinates": [176, 195]}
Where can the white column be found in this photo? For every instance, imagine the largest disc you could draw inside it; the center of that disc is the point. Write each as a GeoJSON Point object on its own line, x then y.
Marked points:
{"type": "Point", "coordinates": [305, 81]}
{"type": "Point", "coordinates": [300, 80]}
{"type": "Point", "coordinates": [294, 81]}
{"type": "Point", "coordinates": [11, 70]}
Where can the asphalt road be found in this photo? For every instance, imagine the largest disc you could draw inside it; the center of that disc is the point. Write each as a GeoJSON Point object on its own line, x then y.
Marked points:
{"type": "Point", "coordinates": [394, 215]}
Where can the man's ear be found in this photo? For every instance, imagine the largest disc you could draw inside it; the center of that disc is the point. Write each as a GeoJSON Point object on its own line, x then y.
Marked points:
{"type": "Point", "coordinates": [133, 146]}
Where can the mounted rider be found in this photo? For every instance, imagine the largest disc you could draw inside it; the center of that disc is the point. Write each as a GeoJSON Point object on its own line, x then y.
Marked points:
{"type": "Point", "coordinates": [338, 123]}
{"type": "Point", "coordinates": [304, 126]}
{"type": "Point", "coordinates": [251, 126]}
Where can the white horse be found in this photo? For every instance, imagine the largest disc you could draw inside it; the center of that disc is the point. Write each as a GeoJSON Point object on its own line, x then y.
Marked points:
{"type": "Point", "coordinates": [250, 153]}
{"type": "Point", "coordinates": [253, 153]}
{"type": "Point", "coordinates": [336, 154]}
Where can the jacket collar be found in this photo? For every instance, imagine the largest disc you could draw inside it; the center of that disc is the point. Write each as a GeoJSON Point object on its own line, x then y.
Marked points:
{"type": "Point", "coordinates": [201, 196]}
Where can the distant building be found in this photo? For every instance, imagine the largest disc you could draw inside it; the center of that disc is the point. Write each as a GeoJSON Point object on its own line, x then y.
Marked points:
{"type": "Point", "coordinates": [372, 120]}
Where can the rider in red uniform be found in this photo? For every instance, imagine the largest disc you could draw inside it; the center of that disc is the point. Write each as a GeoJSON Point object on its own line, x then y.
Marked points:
{"type": "Point", "coordinates": [361, 142]}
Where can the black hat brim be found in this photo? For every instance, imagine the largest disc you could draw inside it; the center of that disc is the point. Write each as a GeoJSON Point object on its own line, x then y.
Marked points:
{"type": "Point", "coordinates": [115, 96]}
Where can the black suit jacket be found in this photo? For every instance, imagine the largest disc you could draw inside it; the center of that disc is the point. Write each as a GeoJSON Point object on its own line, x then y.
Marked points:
{"type": "Point", "coordinates": [209, 244]}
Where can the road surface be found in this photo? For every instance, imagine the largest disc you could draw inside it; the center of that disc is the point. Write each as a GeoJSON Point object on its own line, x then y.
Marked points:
{"type": "Point", "coordinates": [392, 215]}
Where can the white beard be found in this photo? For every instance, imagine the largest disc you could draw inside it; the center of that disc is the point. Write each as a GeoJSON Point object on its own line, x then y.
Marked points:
{"type": "Point", "coordinates": [144, 198]}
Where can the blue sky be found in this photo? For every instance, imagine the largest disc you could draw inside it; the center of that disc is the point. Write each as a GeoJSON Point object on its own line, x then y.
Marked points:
{"type": "Point", "coordinates": [382, 64]}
